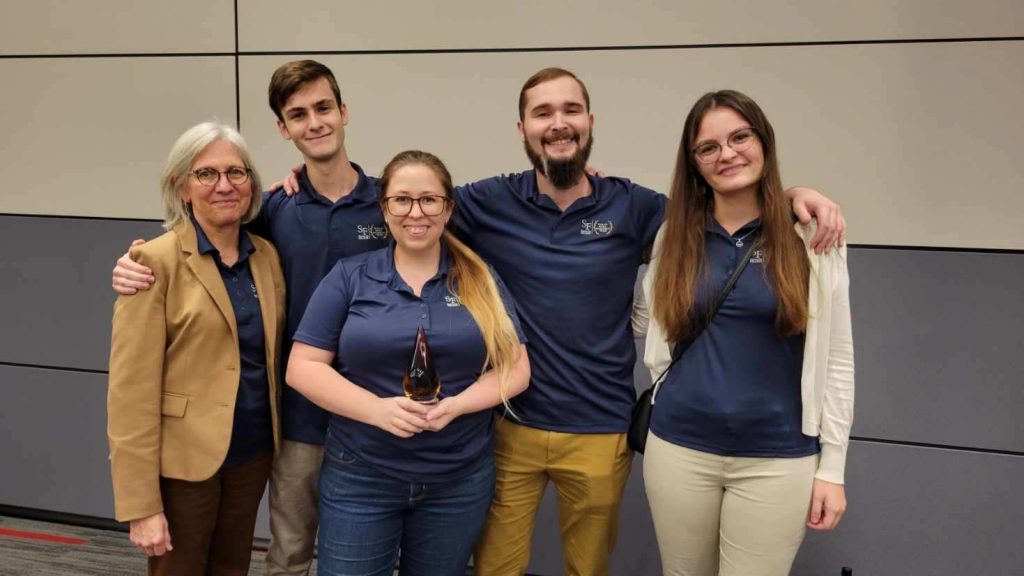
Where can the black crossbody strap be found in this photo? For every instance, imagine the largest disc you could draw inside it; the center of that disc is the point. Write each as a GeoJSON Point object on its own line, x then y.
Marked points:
{"type": "Point", "coordinates": [682, 347]}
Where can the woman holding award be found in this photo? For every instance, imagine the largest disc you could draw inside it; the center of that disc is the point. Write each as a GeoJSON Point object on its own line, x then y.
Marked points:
{"type": "Point", "coordinates": [408, 468]}
{"type": "Point", "coordinates": [748, 437]}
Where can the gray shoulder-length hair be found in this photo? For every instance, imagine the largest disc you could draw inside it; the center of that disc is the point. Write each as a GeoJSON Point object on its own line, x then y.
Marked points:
{"type": "Point", "coordinates": [184, 152]}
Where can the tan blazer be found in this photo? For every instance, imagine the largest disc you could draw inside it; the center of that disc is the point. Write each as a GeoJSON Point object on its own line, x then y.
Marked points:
{"type": "Point", "coordinates": [175, 368]}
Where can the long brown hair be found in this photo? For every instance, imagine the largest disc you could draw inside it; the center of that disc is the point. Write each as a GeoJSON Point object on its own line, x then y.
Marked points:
{"type": "Point", "coordinates": [469, 278]}
{"type": "Point", "coordinates": [681, 258]}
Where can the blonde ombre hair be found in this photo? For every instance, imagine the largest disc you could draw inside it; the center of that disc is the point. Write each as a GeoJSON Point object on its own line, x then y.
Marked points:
{"type": "Point", "coordinates": [470, 278]}
{"type": "Point", "coordinates": [186, 149]}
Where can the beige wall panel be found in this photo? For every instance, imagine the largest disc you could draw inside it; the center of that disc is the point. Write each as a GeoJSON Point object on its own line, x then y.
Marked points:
{"type": "Point", "coordinates": [89, 137]}
{"type": "Point", "coordinates": [918, 142]}
{"type": "Point", "coordinates": [328, 25]}
{"type": "Point", "coordinates": [116, 26]}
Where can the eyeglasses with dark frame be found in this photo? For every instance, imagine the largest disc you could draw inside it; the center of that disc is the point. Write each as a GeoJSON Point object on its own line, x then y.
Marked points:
{"type": "Point", "coordinates": [402, 205]}
{"type": "Point", "coordinates": [210, 176]}
{"type": "Point", "coordinates": [739, 141]}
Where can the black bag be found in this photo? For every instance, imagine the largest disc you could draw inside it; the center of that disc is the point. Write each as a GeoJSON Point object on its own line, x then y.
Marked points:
{"type": "Point", "coordinates": [640, 419]}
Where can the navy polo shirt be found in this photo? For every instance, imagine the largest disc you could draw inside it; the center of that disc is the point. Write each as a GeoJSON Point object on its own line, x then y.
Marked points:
{"type": "Point", "coordinates": [311, 234]}
{"type": "Point", "coordinates": [252, 431]}
{"type": "Point", "coordinates": [368, 316]}
{"type": "Point", "coordinates": [572, 275]}
{"type": "Point", "coordinates": [736, 390]}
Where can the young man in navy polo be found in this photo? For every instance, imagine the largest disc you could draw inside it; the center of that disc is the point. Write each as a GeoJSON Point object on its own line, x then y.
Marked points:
{"type": "Point", "coordinates": [333, 214]}
{"type": "Point", "coordinates": [568, 246]}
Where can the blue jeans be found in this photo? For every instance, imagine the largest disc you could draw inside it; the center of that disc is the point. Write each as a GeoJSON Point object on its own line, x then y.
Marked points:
{"type": "Point", "coordinates": [366, 517]}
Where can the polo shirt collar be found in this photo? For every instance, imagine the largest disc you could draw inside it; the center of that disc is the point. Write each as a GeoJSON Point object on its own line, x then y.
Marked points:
{"type": "Point", "coordinates": [713, 227]}
{"type": "Point", "coordinates": [245, 245]}
{"type": "Point", "coordinates": [364, 192]}
{"type": "Point", "coordinates": [381, 266]}
{"type": "Point", "coordinates": [531, 192]}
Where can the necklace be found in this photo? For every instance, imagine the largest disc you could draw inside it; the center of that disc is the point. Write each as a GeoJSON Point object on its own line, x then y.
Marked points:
{"type": "Point", "coordinates": [739, 241]}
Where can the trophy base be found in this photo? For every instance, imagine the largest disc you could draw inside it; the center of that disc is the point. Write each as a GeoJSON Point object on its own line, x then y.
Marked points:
{"type": "Point", "coordinates": [428, 402]}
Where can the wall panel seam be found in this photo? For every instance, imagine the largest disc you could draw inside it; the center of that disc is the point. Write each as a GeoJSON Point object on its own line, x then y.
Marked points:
{"type": "Point", "coordinates": [238, 81]}
{"type": "Point", "coordinates": [524, 49]}
{"type": "Point", "coordinates": [75, 217]}
{"type": "Point", "coordinates": [72, 56]}
{"type": "Point", "coordinates": [948, 447]}
{"type": "Point", "coordinates": [918, 248]}
{"type": "Point", "coordinates": [53, 368]}
{"type": "Point", "coordinates": [527, 49]}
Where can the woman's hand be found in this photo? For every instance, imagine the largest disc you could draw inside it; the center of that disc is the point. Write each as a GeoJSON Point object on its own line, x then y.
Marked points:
{"type": "Point", "coordinates": [401, 416]}
{"type": "Point", "coordinates": [151, 535]}
{"type": "Point", "coordinates": [441, 414]}
{"type": "Point", "coordinates": [828, 503]}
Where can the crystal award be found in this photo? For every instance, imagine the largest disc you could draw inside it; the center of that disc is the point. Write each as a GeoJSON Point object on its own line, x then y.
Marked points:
{"type": "Point", "coordinates": [421, 381]}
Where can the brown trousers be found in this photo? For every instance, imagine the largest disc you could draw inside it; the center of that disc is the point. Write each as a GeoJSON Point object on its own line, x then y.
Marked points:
{"type": "Point", "coordinates": [212, 522]}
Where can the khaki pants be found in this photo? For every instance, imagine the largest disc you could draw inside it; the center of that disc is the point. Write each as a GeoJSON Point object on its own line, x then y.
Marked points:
{"type": "Point", "coordinates": [726, 516]}
{"type": "Point", "coordinates": [212, 522]}
{"type": "Point", "coordinates": [293, 512]}
{"type": "Point", "coordinates": [589, 472]}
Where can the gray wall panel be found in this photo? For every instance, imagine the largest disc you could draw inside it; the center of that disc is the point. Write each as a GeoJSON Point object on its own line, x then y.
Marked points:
{"type": "Point", "coordinates": [89, 136]}
{"type": "Point", "coordinates": [115, 26]}
{"type": "Point", "coordinates": [939, 358]}
{"type": "Point", "coordinates": [55, 282]}
{"type": "Point", "coordinates": [327, 25]}
{"type": "Point", "coordinates": [923, 512]}
{"type": "Point", "coordinates": [54, 427]}
{"type": "Point", "coordinates": [53, 441]}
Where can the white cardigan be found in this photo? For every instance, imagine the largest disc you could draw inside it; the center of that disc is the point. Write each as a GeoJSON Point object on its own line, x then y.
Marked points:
{"type": "Point", "coordinates": [827, 380]}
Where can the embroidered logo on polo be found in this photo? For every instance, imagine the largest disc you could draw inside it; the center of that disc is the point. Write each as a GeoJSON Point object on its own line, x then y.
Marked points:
{"type": "Point", "coordinates": [596, 227]}
{"type": "Point", "coordinates": [757, 257]}
{"type": "Point", "coordinates": [452, 301]}
{"type": "Point", "coordinates": [371, 232]}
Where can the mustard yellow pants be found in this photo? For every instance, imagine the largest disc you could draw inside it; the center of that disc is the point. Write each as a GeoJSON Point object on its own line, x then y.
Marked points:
{"type": "Point", "coordinates": [589, 472]}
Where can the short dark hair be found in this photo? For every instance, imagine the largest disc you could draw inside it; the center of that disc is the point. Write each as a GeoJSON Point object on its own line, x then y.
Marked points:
{"type": "Point", "coordinates": [289, 78]}
{"type": "Point", "coordinates": [546, 75]}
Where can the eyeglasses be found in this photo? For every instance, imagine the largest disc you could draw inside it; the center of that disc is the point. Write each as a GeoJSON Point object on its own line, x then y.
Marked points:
{"type": "Point", "coordinates": [738, 141]}
{"type": "Point", "coordinates": [402, 205]}
{"type": "Point", "coordinates": [210, 176]}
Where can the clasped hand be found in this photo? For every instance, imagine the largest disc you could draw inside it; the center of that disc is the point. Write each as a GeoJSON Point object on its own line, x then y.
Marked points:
{"type": "Point", "coordinates": [404, 417]}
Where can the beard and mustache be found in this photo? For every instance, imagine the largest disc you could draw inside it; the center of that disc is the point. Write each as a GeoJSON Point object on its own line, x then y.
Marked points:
{"type": "Point", "coordinates": [562, 173]}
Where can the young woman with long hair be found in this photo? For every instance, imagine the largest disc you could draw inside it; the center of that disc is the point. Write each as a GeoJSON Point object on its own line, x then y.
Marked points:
{"type": "Point", "coordinates": [750, 427]}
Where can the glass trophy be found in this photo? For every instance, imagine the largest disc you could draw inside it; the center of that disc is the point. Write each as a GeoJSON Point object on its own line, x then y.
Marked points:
{"type": "Point", "coordinates": [421, 381]}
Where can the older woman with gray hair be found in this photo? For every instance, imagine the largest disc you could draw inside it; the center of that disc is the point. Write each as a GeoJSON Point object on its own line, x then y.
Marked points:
{"type": "Point", "coordinates": [193, 396]}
